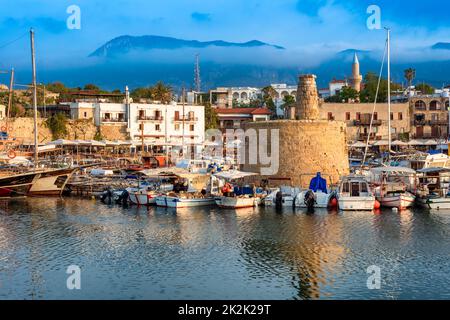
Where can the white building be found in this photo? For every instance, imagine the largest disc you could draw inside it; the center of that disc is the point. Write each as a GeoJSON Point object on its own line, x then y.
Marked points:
{"type": "Point", "coordinates": [172, 125]}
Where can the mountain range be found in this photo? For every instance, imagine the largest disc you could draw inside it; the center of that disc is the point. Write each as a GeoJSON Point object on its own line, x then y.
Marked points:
{"type": "Point", "coordinates": [254, 63]}
{"type": "Point", "coordinates": [124, 44]}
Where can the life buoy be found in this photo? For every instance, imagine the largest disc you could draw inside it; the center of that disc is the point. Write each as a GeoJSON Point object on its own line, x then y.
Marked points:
{"type": "Point", "coordinates": [11, 154]}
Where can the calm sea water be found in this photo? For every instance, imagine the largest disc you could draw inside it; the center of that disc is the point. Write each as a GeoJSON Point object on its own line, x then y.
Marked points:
{"type": "Point", "coordinates": [157, 253]}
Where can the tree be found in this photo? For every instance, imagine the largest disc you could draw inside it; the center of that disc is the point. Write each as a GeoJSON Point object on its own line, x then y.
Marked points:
{"type": "Point", "coordinates": [370, 88]}
{"type": "Point", "coordinates": [348, 93]}
{"type": "Point", "coordinates": [211, 118]}
{"type": "Point", "coordinates": [142, 93]}
{"type": "Point", "coordinates": [269, 93]}
{"type": "Point", "coordinates": [91, 87]}
{"type": "Point", "coordinates": [410, 74]}
{"type": "Point", "coordinates": [162, 92]}
{"type": "Point", "coordinates": [57, 125]}
{"type": "Point", "coordinates": [56, 87]}
{"type": "Point", "coordinates": [288, 102]}
{"type": "Point", "coordinates": [425, 88]}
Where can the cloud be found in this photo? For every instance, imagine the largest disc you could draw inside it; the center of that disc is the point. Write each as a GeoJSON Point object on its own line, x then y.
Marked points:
{"type": "Point", "coordinates": [201, 17]}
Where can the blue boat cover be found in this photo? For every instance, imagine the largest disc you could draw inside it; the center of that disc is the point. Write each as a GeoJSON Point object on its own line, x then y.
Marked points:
{"type": "Point", "coordinates": [318, 183]}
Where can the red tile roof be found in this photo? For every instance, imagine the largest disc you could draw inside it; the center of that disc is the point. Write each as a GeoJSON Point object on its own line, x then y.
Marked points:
{"type": "Point", "coordinates": [243, 111]}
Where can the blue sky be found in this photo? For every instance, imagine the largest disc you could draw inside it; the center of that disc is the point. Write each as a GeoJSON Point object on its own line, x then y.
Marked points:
{"type": "Point", "coordinates": [308, 26]}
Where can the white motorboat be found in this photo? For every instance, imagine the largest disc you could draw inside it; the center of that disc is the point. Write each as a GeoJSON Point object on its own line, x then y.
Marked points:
{"type": "Point", "coordinates": [282, 197]}
{"type": "Point", "coordinates": [434, 188]}
{"type": "Point", "coordinates": [355, 194]}
{"type": "Point", "coordinates": [317, 196]}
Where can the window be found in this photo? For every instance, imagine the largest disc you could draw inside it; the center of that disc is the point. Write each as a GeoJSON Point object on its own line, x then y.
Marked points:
{"type": "Point", "coordinates": [191, 127]}
{"type": "Point", "coordinates": [347, 116]}
{"type": "Point", "coordinates": [375, 116]}
{"type": "Point", "coordinates": [177, 115]}
{"type": "Point", "coordinates": [120, 116]}
{"type": "Point", "coordinates": [392, 116]}
{"type": "Point", "coordinates": [420, 105]}
{"type": "Point", "coordinates": [107, 116]}
{"type": "Point", "coordinates": [141, 114]}
{"type": "Point", "coordinates": [363, 187]}
{"type": "Point", "coordinates": [330, 116]}
{"type": "Point", "coordinates": [141, 126]}
{"type": "Point", "coordinates": [358, 116]}
{"type": "Point", "coordinates": [400, 116]}
{"type": "Point", "coordinates": [435, 105]}
{"type": "Point", "coordinates": [85, 114]}
{"type": "Point", "coordinates": [157, 114]}
{"type": "Point", "coordinates": [157, 127]}
{"type": "Point", "coordinates": [177, 127]}
{"type": "Point", "coordinates": [191, 115]}
{"type": "Point", "coordinates": [345, 188]}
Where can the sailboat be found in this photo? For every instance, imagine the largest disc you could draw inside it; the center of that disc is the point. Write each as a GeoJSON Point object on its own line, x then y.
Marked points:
{"type": "Point", "coordinates": [391, 183]}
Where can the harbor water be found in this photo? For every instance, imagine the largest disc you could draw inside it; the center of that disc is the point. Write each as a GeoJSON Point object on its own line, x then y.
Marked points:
{"type": "Point", "coordinates": [209, 253]}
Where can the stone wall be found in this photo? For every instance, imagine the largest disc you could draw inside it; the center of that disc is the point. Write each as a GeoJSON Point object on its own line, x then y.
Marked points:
{"type": "Point", "coordinates": [307, 98]}
{"type": "Point", "coordinates": [305, 148]}
{"type": "Point", "coordinates": [114, 132]}
{"type": "Point", "coordinates": [23, 130]}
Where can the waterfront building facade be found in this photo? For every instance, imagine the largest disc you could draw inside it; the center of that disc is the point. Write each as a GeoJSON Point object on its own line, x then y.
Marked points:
{"type": "Point", "coordinates": [155, 124]}
{"type": "Point", "coordinates": [236, 117]}
{"type": "Point", "coordinates": [357, 117]}
{"type": "Point", "coordinates": [430, 116]}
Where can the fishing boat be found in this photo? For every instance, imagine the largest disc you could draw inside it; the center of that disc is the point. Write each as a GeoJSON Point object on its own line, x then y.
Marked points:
{"type": "Point", "coordinates": [434, 188]}
{"type": "Point", "coordinates": [184, 200]}
{"type": "Point", "coordinates": [393, 186]}
{"type": "Point", "coordinates": [234, 197]}
{"type": "Point", "coordinates": [17, 185]}
{"type": "Point", "coordinates": [355, 194]}
{"type": "Point", "coordinates": [142, 196]}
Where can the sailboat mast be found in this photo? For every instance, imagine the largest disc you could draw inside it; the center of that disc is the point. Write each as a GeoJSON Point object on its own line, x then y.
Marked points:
{"type": "Point", "coordinates": [33, 65]}
{"type": "Point", "coordinates": [389, 89]}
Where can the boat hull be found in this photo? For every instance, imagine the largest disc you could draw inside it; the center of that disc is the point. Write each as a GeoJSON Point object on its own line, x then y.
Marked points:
{"type": "Point", "coordinates": [400, 201]}
{"type": "Point", "coordinates": [236, 202]}
{"type": "Point", "coordinates": [435, 203]}
{"type": "Point", "coordinates": [322, 199]}
{"type": "Point", "coordinates": [142, 198]}
{"type": "Point", "coordinates": [51, 183]}
{"type": "Point", "coordinates": [176, 202]}
{"type": "Point", "coordinates": [357, 203]}
{"type": "Point", "coordinates": [17, 185]}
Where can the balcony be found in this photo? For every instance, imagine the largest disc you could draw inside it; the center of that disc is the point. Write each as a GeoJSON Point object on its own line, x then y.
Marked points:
{"type": "Point", "coordinates": [373, 136]}
{"type": "Point", "coordinates": [185, 119]}
{"type": "Point", "coordinates": [114, 120]}
{"type": "Point", "coordinates": [419, 122]}
{"type": "Point", "coordinates": [366, 122]}
{"type": "Point", "coordinates": [150, 118]}
{"type": "Point", "coordinates": [439, 122]}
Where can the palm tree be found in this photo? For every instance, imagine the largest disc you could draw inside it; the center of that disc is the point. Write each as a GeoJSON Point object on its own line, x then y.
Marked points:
{"type": "Point", "coordinates": [162, 92]}
{"type": "Point", "coordinates": [269, 93]}
{"type": "Point", "coordinates": [410, 74]}
{"type": "Point", "coordinates": [288, 101]}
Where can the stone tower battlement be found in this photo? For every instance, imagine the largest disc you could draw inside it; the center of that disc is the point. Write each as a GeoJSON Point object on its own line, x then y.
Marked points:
{"type": "Point", "coordinates": [307, 98]}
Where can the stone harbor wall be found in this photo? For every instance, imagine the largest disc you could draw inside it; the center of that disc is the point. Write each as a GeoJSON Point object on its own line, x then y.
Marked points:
{"type": "Point", "coordinates": [305, 147]}
{"type": "Point", "coordinates": [23, 130]}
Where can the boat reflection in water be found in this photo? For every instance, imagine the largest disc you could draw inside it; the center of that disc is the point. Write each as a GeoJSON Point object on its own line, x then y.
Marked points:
{"type": "Point", "coordinates": [209, 253]}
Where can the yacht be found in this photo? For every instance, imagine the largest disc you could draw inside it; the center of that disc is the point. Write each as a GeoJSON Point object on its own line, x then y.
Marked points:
{"type": "Point", "coordinates": [434, 188]}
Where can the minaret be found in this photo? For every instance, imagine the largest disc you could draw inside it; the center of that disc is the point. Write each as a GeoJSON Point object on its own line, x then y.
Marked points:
{"type": "Point", "coordinates": [356, 78]}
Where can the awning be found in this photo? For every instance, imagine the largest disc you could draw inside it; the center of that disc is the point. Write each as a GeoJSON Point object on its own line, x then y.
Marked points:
{"type": "Point", "coordinates": [233, 174]}
{"type": "Point", "coordinates": [62, 142]}
{"type": "Point", "coordinates": [399, 143]}
{"type": "Point", "coordinates": [358, 144]}
{"type": "Point", "coordinates": [381, 143]}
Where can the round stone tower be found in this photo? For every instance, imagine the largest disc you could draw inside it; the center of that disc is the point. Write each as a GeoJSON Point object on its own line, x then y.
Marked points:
{"type": "Point", "coordinates": [307, 98]}
{"type": "Point", "coordinates": [304, 146]}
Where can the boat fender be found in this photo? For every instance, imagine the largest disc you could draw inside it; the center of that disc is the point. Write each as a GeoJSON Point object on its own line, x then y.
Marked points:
{"type": "Point", "coordinates": [377, 205]}
{"type": "Point", "coordinates": [11, 154]}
